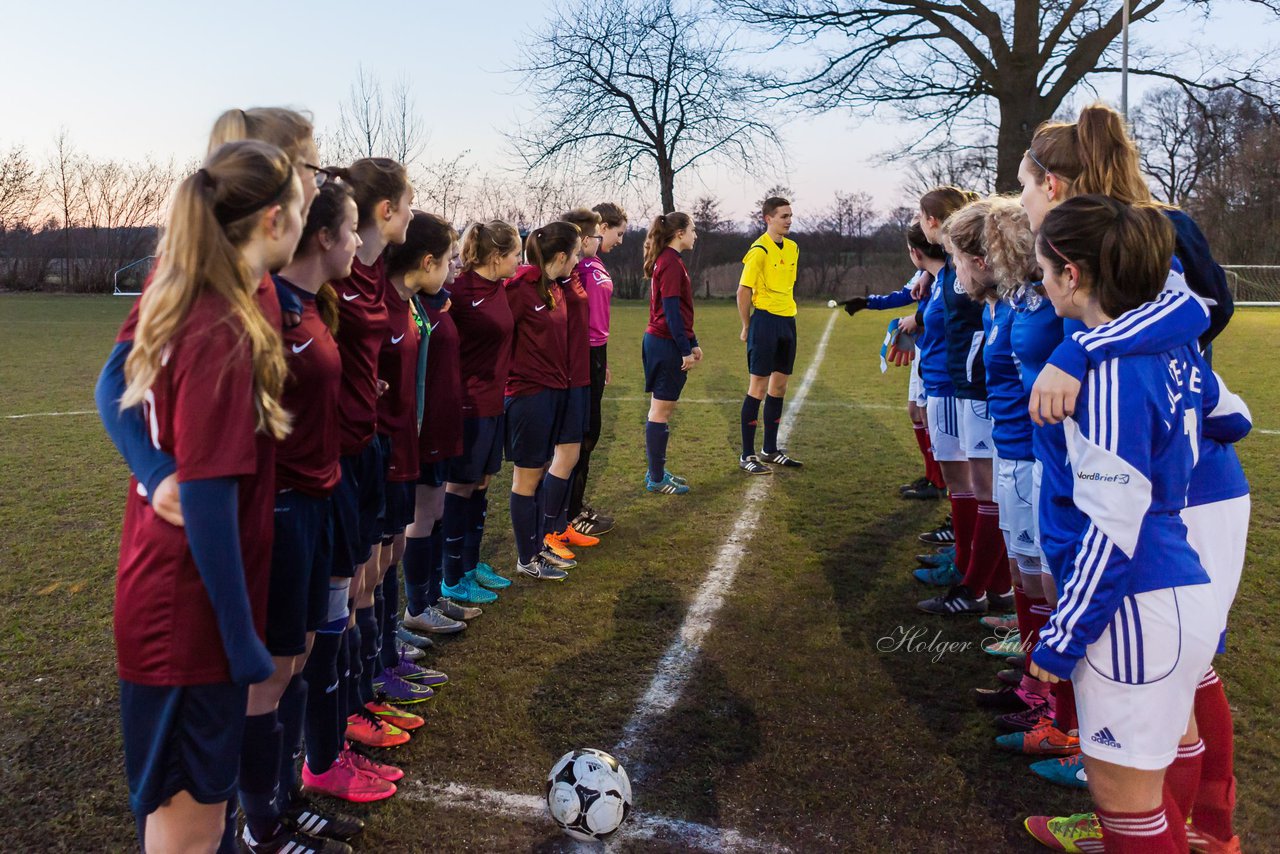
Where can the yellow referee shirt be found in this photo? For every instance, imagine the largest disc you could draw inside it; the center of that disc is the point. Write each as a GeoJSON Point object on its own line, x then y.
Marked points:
{"type": "Point", "coordinates": [770, 273]}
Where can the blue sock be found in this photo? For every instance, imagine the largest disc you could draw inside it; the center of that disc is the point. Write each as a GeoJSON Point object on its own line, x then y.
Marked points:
{"type": "Point", "coordinates": [524, 524]}
{"type": "Point", "coordinates": [455, 531]}
{"type": "Point", "coordinates": [354, 672]}
{"type": "Point", "coordinates": [292, 712]}
{"type": "Point", "coordinates": [750, 418]}
{"type": "Point", "coordinates": [228, 844]}
{"type": "Point", "coordinates": [437, 563]}
{"type": "Point", "coordinates": [477, 513]}
{"type": "Point", "coordinates": [417, 572]}
{"type": "Point", "coordinates": [655, 445]}
{"type": "Point", "coordinates": [323, 724]}
{"type": "Point", "coordinates": [554, 490]}
{"type": "Point", "coordinates": [260, 774]}
{"type": "Point", "coordinates": [368, 649]}
{"type": "Point", "coordinates": [390, 617]}
{"type": "Point", "coordinates": [772, 415]}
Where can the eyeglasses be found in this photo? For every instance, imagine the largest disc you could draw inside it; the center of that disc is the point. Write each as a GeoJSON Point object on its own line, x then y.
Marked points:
{"type": "Point", "coordinates": [322, 175]}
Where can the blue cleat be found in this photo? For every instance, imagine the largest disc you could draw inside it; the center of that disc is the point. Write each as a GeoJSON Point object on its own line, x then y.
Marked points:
{"type": "Point", "coordinates": [469, 592]}
{"type": "Point", "coordinates": [1067, 771]}
{"type": "Point", "coordinates": [484, 575]}
{"type": "Point", "coordinates": [667, 486]}
{"type": "Point", "coordinates": [945, 575]}
{"type": "Point", "coordinates": [946, 554]}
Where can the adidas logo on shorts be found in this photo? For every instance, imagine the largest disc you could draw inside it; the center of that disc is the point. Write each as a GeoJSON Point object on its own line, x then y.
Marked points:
{"type": "Point", "coordinates": [1024, 537]}
{"type": "Point", "coordinates": [1104, 737]}
{"type": "Point", "coordinates": [981, 446]}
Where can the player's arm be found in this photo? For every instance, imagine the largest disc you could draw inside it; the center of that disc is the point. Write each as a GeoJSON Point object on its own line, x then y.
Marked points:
{"type": "Point", "coordinates": [752, 278]}
{"type": "Point", "coordinates": [1226, 416]}
{"type": "Point", "coordinates": [1114, 443]}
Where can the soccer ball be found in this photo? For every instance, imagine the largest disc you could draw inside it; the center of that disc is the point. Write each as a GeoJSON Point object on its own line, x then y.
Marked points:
{"type": "Point", "coordinates": [588, 794]}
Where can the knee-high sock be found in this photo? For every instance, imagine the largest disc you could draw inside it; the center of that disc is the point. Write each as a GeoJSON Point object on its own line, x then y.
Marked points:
{"type": "Point", "coordinates": [1215, 802]}
{"type": "Point", "coordinates": [260, 773]}
{"type": "Point", "coordinates": [477, 514]}
{"type": "Point", "coordinates": [455, 532]}
{"type": "Point", "coordinates": [922, 440]}
{"type": "Point", "coordinates": [370, 669]}
{"type": "Point", "coordinates": [553, 493]}
{"type": "Point", "coordinates": [228, 844]}
{"type": "Point", "coordinates": [437, 563]}
{"type": "Point", "coordinates": [1157, 831]}
{"type": "Point", "coordinates": [354, 672]}
{"type": "Point", "coordinates": [964, 518]}
{"type": "Point", "coordinates": [1064, 706]}
{"type": "Point", "coordinates": [379, 621]}
{"type": "Point", "coordinates": [772, 417]}
{"type": "Point", "coordinates": [1182, 777]}
{"type": "Point", "coordinates": [987, 554]}
{"type": "Point", "coordinates": [324, 722]}
{"type": "Point", "coordinates": [750, 418]}
{"type": "Point", "coordinates": [655, 445]}
{"type": "Point", "coordinates": [417, 573]}
{"type": "Point", "coordinates": [390, 651]}
{"type": "Point", "coordinates": [525, 526]}
{"type": "Point", "coordinates": [292, 713]}
{"type": "Point", "coordinates": [1038, 613]}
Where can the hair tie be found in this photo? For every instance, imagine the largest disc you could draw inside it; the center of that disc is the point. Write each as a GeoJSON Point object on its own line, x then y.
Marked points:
{"type": "Point", "coordinates": [205, 178]}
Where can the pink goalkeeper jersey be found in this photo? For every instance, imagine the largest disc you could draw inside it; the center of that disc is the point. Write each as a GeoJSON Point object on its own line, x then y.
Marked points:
{"type": "Point", "coordinates": [599, 287]}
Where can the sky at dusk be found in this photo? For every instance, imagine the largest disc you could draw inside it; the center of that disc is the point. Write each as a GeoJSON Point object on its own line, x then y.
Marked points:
{"type": "Point", "coordinates": [133, 78]}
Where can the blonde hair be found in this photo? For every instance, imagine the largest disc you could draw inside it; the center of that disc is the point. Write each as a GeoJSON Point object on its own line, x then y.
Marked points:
{"type": "Point", "coordinates": [212, 214]}
{"type": "Point", "coordinates": [483, 240]}
{"type": "Point", "coordinates": [942, 202]}
{"type": "Point", "coordinates": [286, 129]}
{"type": "Point", "coordinates": [1093, 154]}
{"type": "Point", "coordinates": [996, 228]}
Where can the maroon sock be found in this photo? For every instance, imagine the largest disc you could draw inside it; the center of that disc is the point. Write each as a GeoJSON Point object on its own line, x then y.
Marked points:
{"type": "Point", "coordinates": [1022, 607]}
{"type": "Point", "coordinates": [1215, 801]}
{"type": "Point", "coordinates": [1064, 700]}
{"type": "Point", "coordinates": [1147, 832]}
{"type": "Point", "coordinates": [1038, 613]}
{"type": "Point", "coordinates": [987, 553]}
{"type": "Point", "coordinates": [933, 471]}
{"type": "Point", "coordinates": [922, 439]}
{"type": "Point", "coordinates": [1182, 777]}
{"type": "Point", "coordinates": [964, 518]}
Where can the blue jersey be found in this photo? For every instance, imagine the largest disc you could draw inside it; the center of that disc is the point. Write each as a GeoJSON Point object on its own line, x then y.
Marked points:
{"type": "Point", "coordinates": [1035, 332]}
{"type": "Point", "coordinates": [1006, 396]}
{"type": "Point", "coordinates": [1131, 446]}
{"type": "Point", "coordinates": [932, 341]}
{"type": "Point", "coordinates": [898, 299]}
{"type": "Point", "coordinates": [964, 337]}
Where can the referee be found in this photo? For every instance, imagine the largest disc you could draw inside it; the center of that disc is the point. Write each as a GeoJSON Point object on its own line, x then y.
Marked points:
{"type": "Point", "coordinates": [767, 286]}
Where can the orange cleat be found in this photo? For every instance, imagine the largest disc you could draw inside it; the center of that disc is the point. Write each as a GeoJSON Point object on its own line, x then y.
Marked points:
{"type": "Point", "coordinates": [396, 716]}
{"type": "Point", "coordinates": [558, 548]}
{"type": "Point", "coordinates": [570, 537]}
{"type": "Point", "coordinates": [374, 733]}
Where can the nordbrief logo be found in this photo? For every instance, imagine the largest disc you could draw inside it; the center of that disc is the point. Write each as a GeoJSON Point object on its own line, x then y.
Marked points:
{"type": "Point", "coordinates": [1102, 478]}
{"type": "Point", "coordinates": [1104, 737]}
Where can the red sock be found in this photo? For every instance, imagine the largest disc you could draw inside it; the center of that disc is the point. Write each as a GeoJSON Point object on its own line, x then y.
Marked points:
{"type": "Point", "coordinates": [1064, 698]}
{"type": "Point", "coordinates": [922, 439]}
{"type": "Point", "coordinates": [1039, 611]}
{"type": "Point", "coordinates": [1022, 607]}
{"type": "Point", "coordinates": [1182, 777]}
{"type": "Point", "coordinates": [987, 553]}
{"type": "Point", "coordinates": [964, 518]}
{"type": "Point", "coordinates": [1216, 799]}
{"type": "Point", "coordinates": [1147, 832]}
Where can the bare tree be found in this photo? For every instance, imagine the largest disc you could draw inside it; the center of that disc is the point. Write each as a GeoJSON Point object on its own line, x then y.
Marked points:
{"type": "Point", "coordinates": [851, 216]}
{"type": "Point", "coordinates": [121, 205]}
{"type": "Point", "coordinates": [21, 188]}
{"type": "Point", "coordinates": [406, 136]}
{"type": "Point", "coordinates": [1180, 138]}
{"type": "Point", "coordinates": [443, 186]}
{"type": "Point", "coordinates": [63, 168]}
{"type": "Point", "coordinates": [1002, 65]}
{"type": "Point", "coordinates": [372, 123]}
{"type": "Point", "coordinates": [641, 90]}
{"type": "Point", "coordinates": [971, 168]}
{"type": "Point", "coordinates": [707, 217]}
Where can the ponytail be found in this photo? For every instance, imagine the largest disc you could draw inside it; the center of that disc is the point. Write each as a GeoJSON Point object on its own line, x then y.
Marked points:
{"type": "Point", "coordinates": [288, 130]}
{"type": "Point", "coordinates": [427, 234]}
{"type": "Point", "coordinates": [373, 180]}
{"type": "Point", "coordinates": [211, 215]}
{"type": "Point", "coordinates": [662, 231]}
{"type": "Point", "coordinates": [1094, 154]}
{"type": "Point", "coordinates": [483, 241]}
{"type": "Point", "coordinates": [545, 243]}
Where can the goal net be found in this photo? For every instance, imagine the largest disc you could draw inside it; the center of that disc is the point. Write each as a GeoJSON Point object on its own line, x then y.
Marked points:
{"type": "Point", "coordinates": [1257, 284]}
{"type": "Point", "coordinates": [127, 281]}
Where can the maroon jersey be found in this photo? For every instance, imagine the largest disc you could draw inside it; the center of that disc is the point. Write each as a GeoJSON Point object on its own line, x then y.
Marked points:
{"type": "Point", "coordinates": [362, 327]}
{"type": "Point", "coordinates": [483, 317]}
{"type": "Point", "coordinates": [670, 279]}
{"type": "Point", "coordinates": [267, 301]}
{"type": "Point", "coordinates": [307, 459]}
{"type": "Point", "coordinates": [200, 410]}
{"type": "Point", "coordinates": [578, 306]}
{"type": "Point", "coordinates": [398, 406]}
{"type": "Point", "coordinates": [540, 351]}
{"type": "Point", "coordinates": [441, 437]}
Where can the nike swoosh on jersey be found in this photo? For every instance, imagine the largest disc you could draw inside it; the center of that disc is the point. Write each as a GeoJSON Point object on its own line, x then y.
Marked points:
{"type": "Point", "coordinates": [395, 340]}
{"type": "Point", "coordinates": [432, 327]}
{"type": "Point", "coordinates": [475, 303]}
{"type": "Point", "coordinates": [298, 348]}
{"type": "Point", "coordinates": [539, 307]}
{"type": "Point", "coordinates": [349, 297]}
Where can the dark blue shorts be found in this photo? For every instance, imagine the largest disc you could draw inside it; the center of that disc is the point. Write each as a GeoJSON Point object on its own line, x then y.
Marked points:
{"type": "Point", "coordinates": [771, 344]}
{"type": "Point", "coordinates": [434, 474]}
{"type": "Point", "coordinates": [662, 375]}
{"type": "Point", "coordinates": [533, 426]}
{"type": "Point", "coordinates": [577, 416]}
{"type": "Point", "coordinates": [400, 504]}
{"type": "Point", "coordinates": [481, 450]}
{"type": "Point", "coordinates": [357, 509]}
{"type": "Point", "coordinates": [181, 738]}
{"type": "Point", "coordinates": [301, 561]}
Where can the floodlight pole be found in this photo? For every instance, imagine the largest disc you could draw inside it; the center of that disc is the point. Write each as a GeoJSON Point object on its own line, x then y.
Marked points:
{"type": "Point", "coordinates": [1124, 60]}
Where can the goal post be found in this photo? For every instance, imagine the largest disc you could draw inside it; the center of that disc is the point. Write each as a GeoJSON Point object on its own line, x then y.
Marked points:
{"type": "Point", "coordinates": [1254, 284]}
{"type": "Point", "coordinates": [127, 281]}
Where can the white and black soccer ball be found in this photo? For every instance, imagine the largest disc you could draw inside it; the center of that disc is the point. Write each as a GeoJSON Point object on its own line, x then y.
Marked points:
{"type": "Point", "coordinates": [588, 794]}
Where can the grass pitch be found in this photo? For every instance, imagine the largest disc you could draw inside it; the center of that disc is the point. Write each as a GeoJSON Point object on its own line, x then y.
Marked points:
{"type": "Point", "coordinates": [798, 728]}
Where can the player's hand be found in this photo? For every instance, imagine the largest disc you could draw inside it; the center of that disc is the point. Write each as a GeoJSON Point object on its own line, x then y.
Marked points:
{"type": "Point", "coordinates": [697, 354]}
{"type": "Point", "coordinates": [608, 375]}
{"type": "Point", "coordinates": [165, 501]}
{"type": "Point", "coordinates": [383, 386]}
{"type": "Point", "coordinates": [250, 661]}
{"type": "Point", "coordinates": [908, 324]}
{"type": "Point", "coordinates": [448, 304]}
{"type": "Point", "coordinates": [742, 336]}
{"type": "Point", "coordinates": [687, 362]}
{"type": "Point", "coordinates": [921, 287]}
{"type": "Point", "coordinates": [1035, 671]}
{"type": "Point", "coordinates": [1053, 397]}
{"type": "Point", "coordinates": [855, 305]}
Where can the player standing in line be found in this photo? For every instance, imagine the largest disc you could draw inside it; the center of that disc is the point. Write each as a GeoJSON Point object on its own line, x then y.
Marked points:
{"type": "Point", "coordinates": [768, 286]}
{"type": "Point", "coordinates": [599, 287]}
{"type": "Point", "coordinates": [1137, 604]}
{"type": "Point", "coordinates": [206, 366]}
{"type": "Point", "coordinates": [537, 395]}
{"type": "Point", "coordinates": [670, 349]}
{"type": "Point", "coordinates": [490, 255]}
{"type": "Point", "coordinates": [931, 484]}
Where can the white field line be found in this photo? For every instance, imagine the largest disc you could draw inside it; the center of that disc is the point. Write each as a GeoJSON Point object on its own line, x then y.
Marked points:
{"type": "Point", "coordinates": [639, 826]}
{"type": "Point", "coordinates": [53, 414]}
{"type": "Point", "coordinates": [676, 665]}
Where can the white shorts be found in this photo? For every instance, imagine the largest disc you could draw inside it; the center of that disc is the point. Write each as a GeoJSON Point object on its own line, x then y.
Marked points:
{"type": "Point", "coordinates": [1037, 475]}
{"type": "Point", "coordinates": [1218, 532]}
{"type": "Point", "coordinates": [1137, 682]}
{"type": "Point", "coordinates": [915, 386]}
{"type": "Point", "coordinates": [975, 429]}
{"type": "Point", "coordinates": [944, 429]}
{"type": "Point", "coordinates": [1013, 493]}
